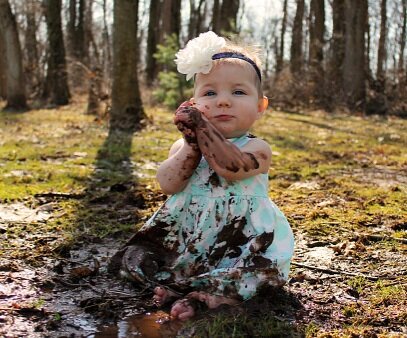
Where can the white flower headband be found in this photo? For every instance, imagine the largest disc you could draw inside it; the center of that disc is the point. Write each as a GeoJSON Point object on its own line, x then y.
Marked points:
{"type": "Point", "coordinates": [199, 54]}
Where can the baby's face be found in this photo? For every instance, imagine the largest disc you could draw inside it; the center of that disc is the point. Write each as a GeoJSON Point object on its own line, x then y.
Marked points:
{"type": "Point", "coordinates": [228, 97]}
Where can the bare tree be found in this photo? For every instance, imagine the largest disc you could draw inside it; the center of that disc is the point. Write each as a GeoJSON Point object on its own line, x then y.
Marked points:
{"type": "Point", "coordinates": [334, 79]}
{"type": "Point", "coordinates": [296, 60]}
{"type": "Point", "coordinates": [228, 14]}
{"type": "Point", "coordinates": [152, 41]}
{"type": "Point", "coordinates": [31, 47]}
{"type": "Point", "coordinates": [106, 49]}
{"type": "Point", "coordinates": [170, 19]}
{"type": "Point", "coordinates": [16, 97]}
{"type": "Point", "coordinates": [216, 17]}
{"type": "Point", "coordinates": [381, 53]}
{"type": "Point", "coordinates": [127, 109]}
{"type": "Point", "coordinates": [56, 85]}
{"type": "Point", "coordinates": [403, 37]}
{"type": "Point", "coordinates": [280, 55]}
{"type": "Point", "coordinates": [76, 30]}
{"type": "Point", "coordinates": [316, 45]}
{"type": "Point", "coordinates": [196, 18]}
{"type": "Point", "coordinates": [354, 74]}
{"type": "Point", "coordinates": [3, 69]}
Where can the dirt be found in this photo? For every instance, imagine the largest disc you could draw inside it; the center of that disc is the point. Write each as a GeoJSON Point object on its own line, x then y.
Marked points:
{"type": "Point", "coordinates": [342, 184]}
{"type": "Point", "coordinates": [74, 296]}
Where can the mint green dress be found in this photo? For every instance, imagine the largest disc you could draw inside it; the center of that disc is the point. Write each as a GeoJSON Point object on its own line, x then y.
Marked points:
{"type": "Point", "coordinates": [225, 238]}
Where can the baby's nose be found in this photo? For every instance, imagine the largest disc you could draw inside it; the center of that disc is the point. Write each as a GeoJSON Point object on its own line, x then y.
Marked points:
{"type": "Point", "coordinates": [223, 101]}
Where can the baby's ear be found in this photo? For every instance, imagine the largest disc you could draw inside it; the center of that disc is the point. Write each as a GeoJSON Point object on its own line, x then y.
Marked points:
{"type": "Point", "coordinates": [263, 104]}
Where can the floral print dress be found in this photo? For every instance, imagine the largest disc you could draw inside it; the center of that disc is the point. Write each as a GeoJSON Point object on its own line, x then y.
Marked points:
{"type": "Point", "coordinates": [224, 238]}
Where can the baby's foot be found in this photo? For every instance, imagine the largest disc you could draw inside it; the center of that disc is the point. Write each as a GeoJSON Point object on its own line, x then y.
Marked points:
{"type": "Point", "coordinates": [182, 309]}
{"type": "Point", "coordinates": [163, 296]}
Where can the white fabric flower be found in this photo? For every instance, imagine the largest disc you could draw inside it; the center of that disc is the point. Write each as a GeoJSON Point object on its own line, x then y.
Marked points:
{"type": "Point", "coordinates": [196, 57]}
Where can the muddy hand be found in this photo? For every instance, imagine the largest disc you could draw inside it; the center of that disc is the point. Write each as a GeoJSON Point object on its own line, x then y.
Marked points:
{"type": "Point", "coordinates": [218, 150]}
{"type": "Point", "coordinates": [187, 118]}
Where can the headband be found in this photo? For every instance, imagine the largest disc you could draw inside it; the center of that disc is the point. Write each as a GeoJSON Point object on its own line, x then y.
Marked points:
{"type": "Point", "coordinates": [240, 56]}
{"type": "Point", "coordinates": [199, 54]}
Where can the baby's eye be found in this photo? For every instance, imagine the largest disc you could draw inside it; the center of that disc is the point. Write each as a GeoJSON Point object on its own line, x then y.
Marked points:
{"type": "Point", "coordinates": [210, 93]}
{"type": "Point", "coordinates": [239, 92]}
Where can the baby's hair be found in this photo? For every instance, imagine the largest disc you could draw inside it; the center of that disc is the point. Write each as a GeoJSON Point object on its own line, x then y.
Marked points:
{"type": "Point", "coordinates": [251, 51]}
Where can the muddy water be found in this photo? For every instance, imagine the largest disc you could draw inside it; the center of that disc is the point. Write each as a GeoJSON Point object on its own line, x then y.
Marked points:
{"type": "Point", "coordinates": [149, 325]}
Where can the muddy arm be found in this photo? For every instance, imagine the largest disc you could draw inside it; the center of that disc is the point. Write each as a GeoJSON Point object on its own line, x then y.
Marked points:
{"type": "Point", "coordinates": [223, 156]}
{"type": "Point", "coordinates": [174, 173]}
{"type": "Point", "coordinates": [228, 160]}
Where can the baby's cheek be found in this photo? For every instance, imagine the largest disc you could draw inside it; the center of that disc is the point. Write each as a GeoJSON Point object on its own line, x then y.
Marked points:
{"type": "Point", "coordinates": [204, 108]}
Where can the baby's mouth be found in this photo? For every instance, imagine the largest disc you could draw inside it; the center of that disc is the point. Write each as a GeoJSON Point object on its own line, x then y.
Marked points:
{"type": "Point", "coordinates": [223, 117]}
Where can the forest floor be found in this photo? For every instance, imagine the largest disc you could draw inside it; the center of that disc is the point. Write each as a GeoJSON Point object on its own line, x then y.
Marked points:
{"type": "Point", "coordinates": [71, 193]}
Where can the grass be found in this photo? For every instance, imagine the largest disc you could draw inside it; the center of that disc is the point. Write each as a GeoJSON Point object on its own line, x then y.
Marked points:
{"type": "Point", "coordinates": [334, 176]}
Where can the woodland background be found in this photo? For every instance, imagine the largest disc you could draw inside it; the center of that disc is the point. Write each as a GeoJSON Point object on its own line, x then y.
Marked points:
{"type": "Point", "coordinates": [74, 186]}
{"type": "Point", "coordinates": [335, 55]}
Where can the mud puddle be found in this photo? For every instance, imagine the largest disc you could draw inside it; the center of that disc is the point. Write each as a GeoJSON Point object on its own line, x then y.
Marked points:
{"type": "Point", "coordinates": [148, 325]}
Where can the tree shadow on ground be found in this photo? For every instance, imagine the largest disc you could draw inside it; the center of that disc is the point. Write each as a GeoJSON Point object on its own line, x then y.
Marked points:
{"type": "Point", "coordinates": [111, 201]}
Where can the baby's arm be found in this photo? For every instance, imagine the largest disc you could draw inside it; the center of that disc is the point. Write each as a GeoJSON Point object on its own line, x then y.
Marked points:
{"type": "Point", "coordinates": [173, 174]}
{"type": "Point", "coordinates": [226, 159]}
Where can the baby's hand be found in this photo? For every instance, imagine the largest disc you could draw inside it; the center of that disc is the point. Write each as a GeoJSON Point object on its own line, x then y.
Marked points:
{"type": "Point", "coordinates": [187, 118]}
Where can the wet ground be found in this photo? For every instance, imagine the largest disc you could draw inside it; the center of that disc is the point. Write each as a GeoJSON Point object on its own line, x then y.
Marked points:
{"type": "Point", "coordinates": [76, 297]}
{"type": "Point", "coordinates": [347, 282]}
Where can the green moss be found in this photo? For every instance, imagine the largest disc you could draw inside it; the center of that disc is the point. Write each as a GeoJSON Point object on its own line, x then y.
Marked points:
{"type": "Point", "coordinates": [242, 325]}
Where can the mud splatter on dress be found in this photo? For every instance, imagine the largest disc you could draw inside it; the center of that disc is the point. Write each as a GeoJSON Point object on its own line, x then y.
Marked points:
{"type": "Point", "coordinates": [226, 238]}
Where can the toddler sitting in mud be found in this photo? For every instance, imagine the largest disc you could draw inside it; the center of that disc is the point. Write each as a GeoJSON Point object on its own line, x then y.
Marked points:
{"type": "Point", "coordinates": [219, 237]}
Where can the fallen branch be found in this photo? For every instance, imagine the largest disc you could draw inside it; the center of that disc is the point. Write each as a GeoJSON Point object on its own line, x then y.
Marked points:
{"type": "Point", "coordinates": [76, 285]}
{"type": "Point", "coordinates": [334, 272]}
{"type": "Point", "coordinates": [60, 195]}
{"type": "Point", "coordinates": [377, 238]}
{"type": "Point", "coordinates": [110, 294]}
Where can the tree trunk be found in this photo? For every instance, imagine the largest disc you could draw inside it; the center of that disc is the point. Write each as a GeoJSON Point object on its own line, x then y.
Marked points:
{"type": "Point", "coordinates": [354, 72]}
{"type": "Point", "coordinates": [228, 15]}
{"type": "Point", "coordinates": [127, 110]}
{"type": "Point", "coordinates": [95, 92]}
{"type": "Point", "coordinates": [403, 38]}
{"type": "Point", "coordinates": [70, 27]}
{"type": "Point", "coordinates": [106, 50]}
{"type": "Point", "coordinates": [334, 80]}
{"type": "Point", "coordinates": [280, 55]}
{"type": "Point", "coordinates": [16, 97]}
{"type": "Point", "coordinates": [381, 53]}
{"type": "Point", "coordinates": [196, 18]}
{"type": "Point", "coordinates": [3, 69]}
{"type": "Point", "coordinates": [152, 41]}
{"type": "Point", "coordinates": [56, 86]}
{"type": "Point", "coordinates": [32, 64]}
{"type": "Point", "coordinates": [316, 45]}
{"type": "Point", "coordinates": [296, 42]}
{"type": "Point", "coordinates": [216, 17]}
{"type": "Point", "coordinates": [76, 31]}
{"type": "Point", "coordinates": [170, 19]}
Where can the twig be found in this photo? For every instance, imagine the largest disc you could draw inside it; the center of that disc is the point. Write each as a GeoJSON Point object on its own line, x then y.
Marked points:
{"type": "Point", "coordinates": [334, 272]}
{"type": "Point", "coordinates": [111, 294]}
{"type": "Point", "coordinates": [76, 285]}
{"type": "Point", "coordinates": [384, 237]}
{"type": "Point", "coordinates": [61, 195]}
